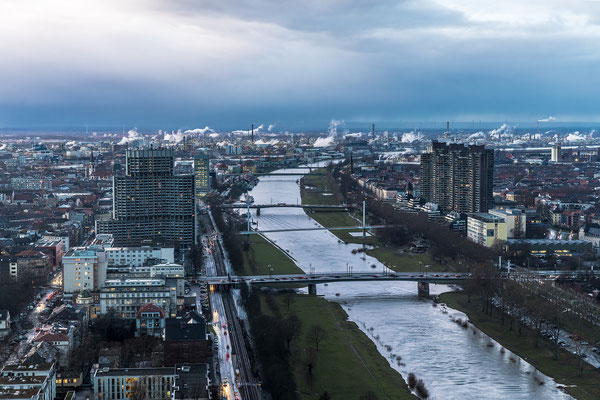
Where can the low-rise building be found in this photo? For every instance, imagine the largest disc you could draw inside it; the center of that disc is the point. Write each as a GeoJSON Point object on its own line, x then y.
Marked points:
{"type": "Point", "coordinates": [558, 248]}
{"type": "Point", "coordinates": [150, 321]}
{"type": "Point", "coordinates": [591, 233]}
{"type": "Point", "coordinates": [186, 340]}
{"type": "Point", "coordinates": [126, 296]}
{"type": "Point", "coordinates": [516, 221]}
{"type": "Point", "coordinates": [122, 383]}
{"type": "Point", "coordinates": [31, 264]}
{"type": "Point", "coordinates": [189, 381]}
{"type": "Point", "coordinates": [60, 340]}
{"type": "Point", "coordinates": [28, 382]}
{"type": "Point", "coordinates": [485, 228]}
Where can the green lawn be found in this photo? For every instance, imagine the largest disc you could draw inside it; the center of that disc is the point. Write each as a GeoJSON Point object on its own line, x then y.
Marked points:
{"type": "Point", "coordinates": [565, 370]}
{"type": "Point", "coordinates": [348, 364]}
{"type": "Point", "coordinates": [406, 262]}
{"type": "Point", "coordinates": [262, 254]}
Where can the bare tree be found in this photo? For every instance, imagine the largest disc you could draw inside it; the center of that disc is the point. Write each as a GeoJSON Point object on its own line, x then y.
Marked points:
{"type": "Point", "coordinates": [288, 300]}
{"type": "Point", "coordinates": [537, 316]}
{"type": "Point", "coordinates": [553, 328]}
{"type": "Point", "coordinates": [317, 334]}
{"type": "Point", "coordinates": [581, 349]}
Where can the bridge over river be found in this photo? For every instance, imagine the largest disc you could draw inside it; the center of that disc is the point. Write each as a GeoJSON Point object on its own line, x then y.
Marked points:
{"type": "Point", "coordinates": [422, 279]}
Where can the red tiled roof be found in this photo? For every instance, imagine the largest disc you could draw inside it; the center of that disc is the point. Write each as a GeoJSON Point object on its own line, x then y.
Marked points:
{"type": "Point", "coordinates": [51, 337]}
{"type": "Point", "coordinates": [150, 308]}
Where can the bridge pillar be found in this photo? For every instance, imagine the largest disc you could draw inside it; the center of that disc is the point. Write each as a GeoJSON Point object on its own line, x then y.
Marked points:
{"type": "Point", "coordinates": [423, 289]}
{"type": "Point", "coordinates": [258, 212]}
{"type": "Point", "coordinates": [312, 289]}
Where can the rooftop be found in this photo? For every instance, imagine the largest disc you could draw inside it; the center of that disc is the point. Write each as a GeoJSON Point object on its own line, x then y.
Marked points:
{"type": "Point", "coordinates": [486, 217]}
{"type": "Point", "coordinates": [163, 371]}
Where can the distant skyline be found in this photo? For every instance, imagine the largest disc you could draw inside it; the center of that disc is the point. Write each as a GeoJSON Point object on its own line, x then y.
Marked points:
{"type": "Point", "coordinates": [296, 65]}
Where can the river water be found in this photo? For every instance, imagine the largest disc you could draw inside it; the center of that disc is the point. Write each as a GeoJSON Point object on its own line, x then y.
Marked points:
{"type": "Point", "coordinates": [454, 363]}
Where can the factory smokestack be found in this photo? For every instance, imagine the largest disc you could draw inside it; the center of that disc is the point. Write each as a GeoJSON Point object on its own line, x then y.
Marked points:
{"type": "Point", "coordinates": [373, 130]}
{"type": "Point", "coordinates": [252, 135]}
{"type": "Point", "coordinates": [447, 129]}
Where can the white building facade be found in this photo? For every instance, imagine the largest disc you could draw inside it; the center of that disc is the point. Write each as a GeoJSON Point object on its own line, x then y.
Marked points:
{"type": "Point", "coordinates": [84, 268]}
{"type": "Point", "coordinates": [137, 256]}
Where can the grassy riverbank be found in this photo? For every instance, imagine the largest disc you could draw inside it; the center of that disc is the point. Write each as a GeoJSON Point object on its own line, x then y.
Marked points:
{"type": "Point", "coordinates": [346, 365]}
{"type": "Point", "coordinates": [263, 255]}
{"type": "Point", "coordinates": [565, 370]}
{"type": "Point", "coordinates": [317, 190]}
{"type": "Point", "coordinates": [406, 261]}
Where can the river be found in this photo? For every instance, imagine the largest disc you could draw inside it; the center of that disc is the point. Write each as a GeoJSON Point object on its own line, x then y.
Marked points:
{"type": "Point", "coordinates": [455, 363]}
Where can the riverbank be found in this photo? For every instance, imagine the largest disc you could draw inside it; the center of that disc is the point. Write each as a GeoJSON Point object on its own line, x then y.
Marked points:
{"type": "Point", "coordinates": [565, 370]}
{"type": "Point", "coordinates": [317, 190]}
{"type": "Point", "coordinates": [262, 255]}
{"type": "Point", "coordinates": [347, 364]}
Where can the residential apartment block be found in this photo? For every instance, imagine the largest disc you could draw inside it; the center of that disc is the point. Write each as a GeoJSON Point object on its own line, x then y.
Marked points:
{"type": "Point", "coordinates": [151, 203]}
{"type": "Point", "coordinates": [458, 177]}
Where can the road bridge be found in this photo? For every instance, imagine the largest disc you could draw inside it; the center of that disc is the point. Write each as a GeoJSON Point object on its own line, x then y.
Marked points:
{"type": "Point", "coordinates": [422, 279]}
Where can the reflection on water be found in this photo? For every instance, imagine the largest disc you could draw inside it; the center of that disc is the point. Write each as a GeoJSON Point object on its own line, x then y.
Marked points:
{"type": "Point", "coordinates": [454, 362]}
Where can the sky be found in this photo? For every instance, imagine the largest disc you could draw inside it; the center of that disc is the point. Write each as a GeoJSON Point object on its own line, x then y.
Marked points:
{"type": "Point", "coordinates": [295, 64]}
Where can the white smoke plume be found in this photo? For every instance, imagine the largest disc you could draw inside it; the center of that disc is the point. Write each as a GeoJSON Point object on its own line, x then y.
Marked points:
{"type": "Point", "coordinates": [549, 119]}
{"type": "Point", "coordinates": [270, 128]}
{"type": "Point", "coordinates": [264, 142]}
{"type": "Point", "coordinates": [199, 131]}
{"type": "Point", "coordinates": [575, 137]}
{"type": "Point", "coordinates": [132, 135]}
{"type": "Point", "coordinates": [213, 135]}
{"type": "Point", "coordinates": [332, 133]}
{"type": "Point", "coordinates": [324, 142]}
{"type": "Point", "coordinates": [477, 135]}
{"type": "Point", "coordinates": [497, 132]}
{"type": "Point", "coordinates": [175, 137]}
{"type": "Point", "coordinates": [249, 131]}
{"type": "Point", "coordinates": [353, 135]}
{"type": "Point", "coordinates": [411, 136]}
{"type": "Point", "coordinates": [333, 126]}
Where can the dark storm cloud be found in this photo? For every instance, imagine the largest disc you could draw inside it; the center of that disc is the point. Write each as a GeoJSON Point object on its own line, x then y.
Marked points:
{"type": "Point", "coordinates": [224, 63]}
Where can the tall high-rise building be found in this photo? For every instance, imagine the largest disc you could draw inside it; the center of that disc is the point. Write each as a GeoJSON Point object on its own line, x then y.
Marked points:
{"type": "Point", "coordinates": [151, 203]}
{"type": "Point", "coordinates": [457, 177]}
{"type": "Point", "coordinates": [556, 150]}
{"type": "Point", "coordinates": [202, 174]}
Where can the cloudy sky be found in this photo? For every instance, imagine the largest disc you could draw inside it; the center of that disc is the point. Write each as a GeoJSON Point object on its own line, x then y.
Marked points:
{"type": "Point", "coordinates": [225, 63]}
